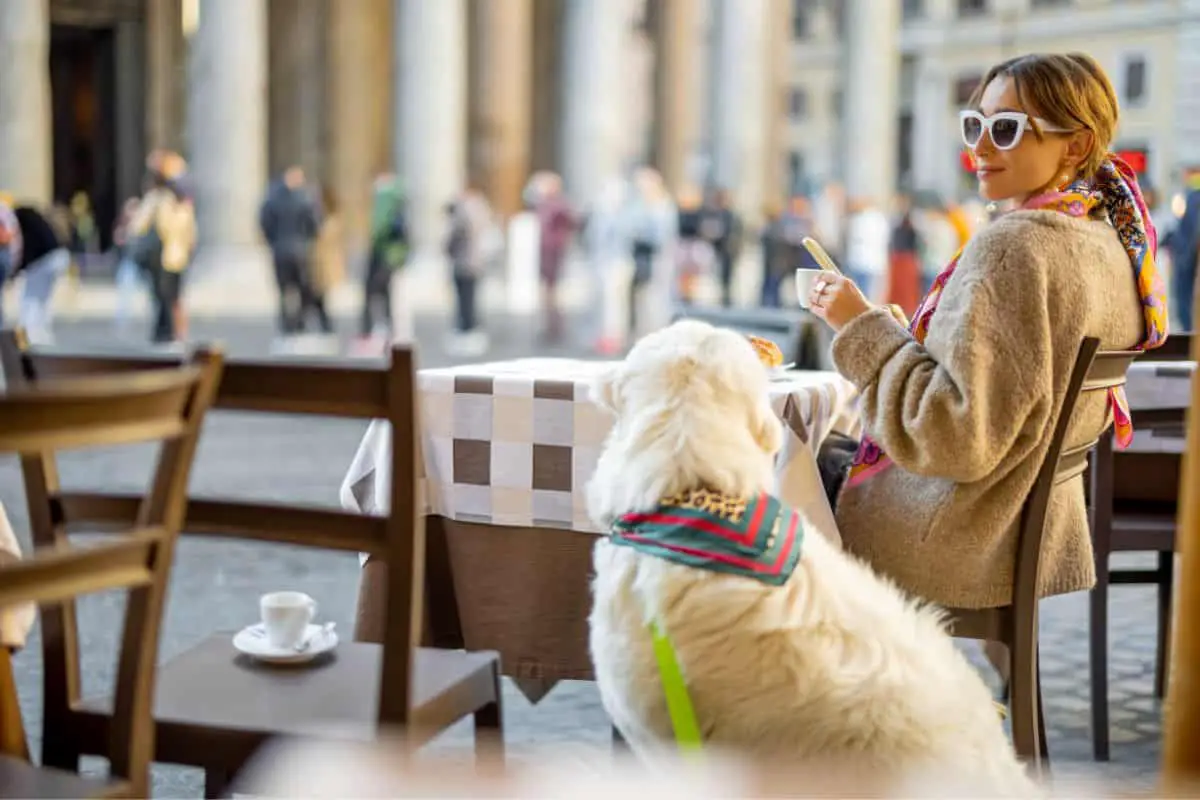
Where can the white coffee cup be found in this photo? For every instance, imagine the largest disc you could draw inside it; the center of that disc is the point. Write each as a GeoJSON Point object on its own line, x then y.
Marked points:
{"type": "Point", "coordinates": [804, 282]}
{"type": "Point", "coordinates": [285, 616]}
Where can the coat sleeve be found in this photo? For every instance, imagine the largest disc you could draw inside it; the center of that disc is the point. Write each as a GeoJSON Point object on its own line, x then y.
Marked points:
{"type": "Point", "coordinates": [954, 406]}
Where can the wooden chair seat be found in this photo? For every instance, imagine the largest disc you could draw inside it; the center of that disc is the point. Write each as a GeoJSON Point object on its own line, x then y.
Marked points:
{"type": "Point", "coordinates": [214, 687]}
{"type": "Point", "coordinates": [20, 779]}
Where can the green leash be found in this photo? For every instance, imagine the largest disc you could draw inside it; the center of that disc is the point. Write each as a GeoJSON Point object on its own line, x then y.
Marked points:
{"type": "Point", "coordinates": [679, 702]}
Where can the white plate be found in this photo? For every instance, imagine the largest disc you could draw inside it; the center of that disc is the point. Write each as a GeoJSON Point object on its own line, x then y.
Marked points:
{"type": "Point", "coordinates": [253, 642]}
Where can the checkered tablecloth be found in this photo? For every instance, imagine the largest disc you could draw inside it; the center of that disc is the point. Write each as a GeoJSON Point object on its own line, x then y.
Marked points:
{"type": "Point", "coordinates": [514, 443]}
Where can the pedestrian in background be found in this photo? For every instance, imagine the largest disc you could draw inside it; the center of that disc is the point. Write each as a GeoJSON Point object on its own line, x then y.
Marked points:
{"type": "Point", "coordinates": [388, 253]}
{"type": "Point", "coordinates": [44, 259]}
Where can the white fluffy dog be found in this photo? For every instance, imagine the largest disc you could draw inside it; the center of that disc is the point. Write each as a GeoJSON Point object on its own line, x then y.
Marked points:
{"type": "Point", "coordinates": [834, 665]}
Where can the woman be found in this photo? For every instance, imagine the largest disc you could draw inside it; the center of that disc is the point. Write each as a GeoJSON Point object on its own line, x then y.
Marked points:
{"type": "Point", "coordinates": [904, 258]}
{"type": "Point", "coordinates": [44, 258]}
{"type": "Point", "coordinates": [163, 232]}
{"type": "Point", "coordinates": [958, 409]}
{"type": "Point", "coordinates": [329, 260]}
{"type": "Point", "coordinates": [128, 275]}
{"type": "Point", "coordinates": [694, 255]}
{"type": "Point", "coordinates": [468, 217]}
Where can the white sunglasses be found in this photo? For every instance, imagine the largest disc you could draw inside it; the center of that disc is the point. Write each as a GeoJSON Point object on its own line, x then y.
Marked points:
{"type": "Point", "coordinates": [1004, 128]}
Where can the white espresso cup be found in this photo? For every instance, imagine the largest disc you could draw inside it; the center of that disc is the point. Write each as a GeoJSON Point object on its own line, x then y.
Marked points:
{"type": "Point", "coordinates": [804, 282]}
{"type": "Point", "coordinates": [285, 616]}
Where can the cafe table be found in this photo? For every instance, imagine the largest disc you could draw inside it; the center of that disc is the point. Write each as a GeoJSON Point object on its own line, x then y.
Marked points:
{"type": "Point", "coordinates": [507, 451]}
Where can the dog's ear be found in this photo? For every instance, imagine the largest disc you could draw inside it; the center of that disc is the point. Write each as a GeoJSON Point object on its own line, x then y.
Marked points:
{"type": "Point", "coordinates": [606, 390]}
{"type": "Point", "coordinates": [768, 428]}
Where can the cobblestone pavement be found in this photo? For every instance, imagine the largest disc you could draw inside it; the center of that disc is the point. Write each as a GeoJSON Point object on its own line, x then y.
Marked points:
{"type": "Point", "coordinates": [216, 583]}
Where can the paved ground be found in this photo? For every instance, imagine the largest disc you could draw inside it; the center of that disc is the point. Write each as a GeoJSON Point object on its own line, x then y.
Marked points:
{"type": "Point", "coordinates": [217, 583]}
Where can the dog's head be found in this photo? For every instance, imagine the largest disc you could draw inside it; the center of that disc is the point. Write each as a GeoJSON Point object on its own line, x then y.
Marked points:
{"type": "Point", "coordinates": [692, 411]}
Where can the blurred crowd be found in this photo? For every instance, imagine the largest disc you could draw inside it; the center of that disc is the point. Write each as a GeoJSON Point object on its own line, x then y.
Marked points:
{"type": "Point", "coordinates": [643, 250]}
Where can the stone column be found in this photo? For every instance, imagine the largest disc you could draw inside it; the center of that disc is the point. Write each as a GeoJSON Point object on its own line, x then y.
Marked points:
{"type": "Point", "coordinates": [933, 139]}
{"type": "Point", "coordinates": [740, 101]}
{"type": "Point", "coordinates": [296, 69]}
{"type": "Point", "coordinates": [358, 103]}
{"type": "Point", "coordinates": [676, 89]}
{"type": "Point", "coordinates": [593, 122]}
{"type": "Point", "coordinates": [776, 178]}
{"type": "Point", "coordinates": [26, 162]}
{"type": "Point", "coordinates": [547, 83]}
{"type": "Point", "coordinates": [501, 98]}
{"type": "Point", "coordinates": [431, 109]}
{"type": "Point", "coordinates": [130, 80]}
{"type": "Point", "coordinates": [1187, 93]}
{"type": "Point", "coordinates": [227, 120]}
{"type": "Point", "coordinates": [872, 67]}
{"type": "Point", "coordinates": [166, 75]}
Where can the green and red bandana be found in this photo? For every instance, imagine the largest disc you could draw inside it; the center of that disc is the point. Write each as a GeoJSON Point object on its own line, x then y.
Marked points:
{"type": "Point", "coordinates": [756, 538]}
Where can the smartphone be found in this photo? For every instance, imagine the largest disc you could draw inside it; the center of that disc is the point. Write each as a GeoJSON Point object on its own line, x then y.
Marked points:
{"type": "Point", "coordinates": [819, 255]}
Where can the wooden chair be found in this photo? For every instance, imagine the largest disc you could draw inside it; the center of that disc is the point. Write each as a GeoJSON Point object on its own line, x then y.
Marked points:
{"type": "Point", "coordinates": [213, 709]}
{"type": "Point", "coordinates": [1016, 625]}
{"type": "Point", "coordinates": [1133, 499]}
{"type": "Point", "coordinates": [164, 405]}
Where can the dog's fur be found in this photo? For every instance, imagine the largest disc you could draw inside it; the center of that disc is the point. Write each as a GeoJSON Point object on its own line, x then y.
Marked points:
{"type": "Point", "coordinates": [835, 664]}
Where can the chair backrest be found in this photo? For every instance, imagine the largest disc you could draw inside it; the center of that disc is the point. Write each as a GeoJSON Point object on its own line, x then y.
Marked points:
{"type": "Point", "coordinates": [166, 405]}
{"type": "Point", "coordinates": [362, 391]}
{"type": "Point", "coordinates": [1094, 371]}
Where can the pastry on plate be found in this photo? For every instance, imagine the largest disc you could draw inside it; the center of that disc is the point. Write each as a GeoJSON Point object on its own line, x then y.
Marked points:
{"type": "Point", "coordinates": [768, 352]}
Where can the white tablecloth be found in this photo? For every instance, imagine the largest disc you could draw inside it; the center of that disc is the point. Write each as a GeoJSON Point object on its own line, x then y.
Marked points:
{"type": "Point", "coordinates": [514, 443]}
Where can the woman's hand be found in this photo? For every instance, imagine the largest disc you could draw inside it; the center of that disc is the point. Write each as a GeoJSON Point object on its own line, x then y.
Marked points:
{"type": "Point", "coordinates": [837, 300]}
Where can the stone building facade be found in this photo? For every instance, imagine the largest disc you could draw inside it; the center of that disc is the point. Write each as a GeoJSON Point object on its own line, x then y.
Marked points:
{"type": "Point", "coordinates": [440, 91]}
{"type": "Point", "coordinates": [1150, 48]}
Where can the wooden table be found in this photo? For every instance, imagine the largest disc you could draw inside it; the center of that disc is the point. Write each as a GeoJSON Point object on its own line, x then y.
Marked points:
{"type": "Point", "coordinates": [508, 449]}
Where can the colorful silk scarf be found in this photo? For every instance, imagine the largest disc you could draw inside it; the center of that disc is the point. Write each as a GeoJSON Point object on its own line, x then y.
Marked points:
{"type": "Point", "coordinates": [1114, 194]}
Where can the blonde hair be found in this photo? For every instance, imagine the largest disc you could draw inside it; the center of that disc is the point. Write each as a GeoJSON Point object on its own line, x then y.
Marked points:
{"type": "Point", "coordinates": [1068, 90]}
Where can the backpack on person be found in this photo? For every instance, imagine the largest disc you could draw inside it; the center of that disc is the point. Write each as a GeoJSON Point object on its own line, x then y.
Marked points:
{"type": "Point", "coordinates": [391, 242]}
{"type": "Point", "coordinates": [145, 249]}
{"type": "Point", "coordinates": [458, 239]}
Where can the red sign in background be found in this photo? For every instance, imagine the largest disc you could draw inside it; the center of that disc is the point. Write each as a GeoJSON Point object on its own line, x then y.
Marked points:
{"type": "Point", "coordinates": [1136, 159]}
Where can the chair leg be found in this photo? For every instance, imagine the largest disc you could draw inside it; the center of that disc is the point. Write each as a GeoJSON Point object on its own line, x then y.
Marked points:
{"type": "Point", "coordinates": [489, 726]}
{"type": "Point", "coordinates": [1166, 585]}
{"type": "Point", "coordinates": [1098, 659]}
{"type": "Point", "coordinates": [1043, 742]}
{"type": "Point", "coordinates": [1024, 708]}
{"type": "Point", "coordinates": [216, 782]}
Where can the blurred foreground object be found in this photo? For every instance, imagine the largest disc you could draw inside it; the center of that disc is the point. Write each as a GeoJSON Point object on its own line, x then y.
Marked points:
{"type": "Point", "coordinates": [349, 769]}
{"type": "Point", "coordinates": [1181, 723]}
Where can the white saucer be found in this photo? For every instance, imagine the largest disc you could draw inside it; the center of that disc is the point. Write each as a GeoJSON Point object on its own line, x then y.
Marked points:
{"type": "Point", "coordinates": [252, 641]}
{"type": "Point", "coordinates": [782, 371]}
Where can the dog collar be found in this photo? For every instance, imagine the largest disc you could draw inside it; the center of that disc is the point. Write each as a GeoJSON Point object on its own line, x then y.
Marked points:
{"type": "Point", "coordinates": [756, 538]}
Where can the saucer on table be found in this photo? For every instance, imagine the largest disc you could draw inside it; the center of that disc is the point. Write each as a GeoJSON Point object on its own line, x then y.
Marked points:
{"type": "Point", "coordinates": [252, 641]}
{"type": "Point", "coordinates": [782, 370]}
